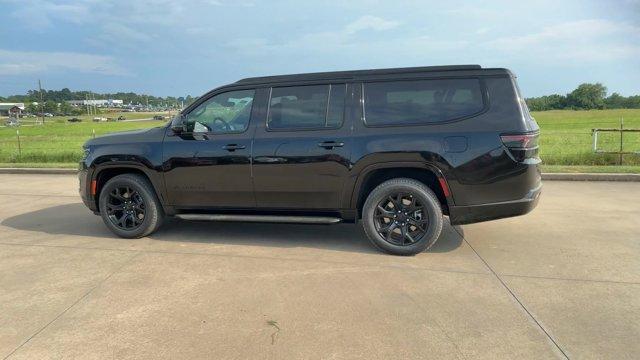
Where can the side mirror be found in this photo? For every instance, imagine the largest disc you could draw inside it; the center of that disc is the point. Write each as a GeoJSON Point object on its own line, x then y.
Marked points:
{"type": "Point", "coordinates": [178, 124]}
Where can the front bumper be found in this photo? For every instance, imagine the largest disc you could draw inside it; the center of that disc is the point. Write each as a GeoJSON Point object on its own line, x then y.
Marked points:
{"type": "Point", "coordinates": [84, 179]}
{"type": "Point", "coordinates": [459, 215]}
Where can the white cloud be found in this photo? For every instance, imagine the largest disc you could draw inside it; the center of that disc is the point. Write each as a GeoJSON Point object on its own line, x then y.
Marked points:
{"type": "Point", "coordinates": [120, 33]}
{"type": "Point", "coordinates": [30, 62]}
{"type": "Point", "coordinates": [583, 40]}
{"type": "Point", "coordinates": [318, 42]}
{"type": "Point", "coordinates": [39, 14]}
{"type": "Point", "coordinates": [369, 22]}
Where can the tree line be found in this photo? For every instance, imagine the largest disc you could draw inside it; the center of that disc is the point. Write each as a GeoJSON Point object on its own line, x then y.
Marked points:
{"type": "Point", "coordinates": [584, 97]}
{"type": "Point", "coordinates": [60, 96]}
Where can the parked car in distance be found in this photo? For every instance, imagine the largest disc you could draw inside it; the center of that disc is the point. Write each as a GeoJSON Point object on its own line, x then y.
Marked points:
{"type": "Point", "coordinates": [396, 149]}
{"type": "Point", "coordinates": [159, 117]}
{"type": "Point", "coordinates": [99, 118]}
{"type": "Point", "coordinates": [74, 119]}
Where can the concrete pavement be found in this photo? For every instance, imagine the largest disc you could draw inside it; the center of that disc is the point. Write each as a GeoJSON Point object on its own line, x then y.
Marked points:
{"type": "Point", "coordinates": [563, 281]}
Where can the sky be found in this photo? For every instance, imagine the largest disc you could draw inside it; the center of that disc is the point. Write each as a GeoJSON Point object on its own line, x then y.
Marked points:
{"type": "Point", "coordinates": [187, 47]}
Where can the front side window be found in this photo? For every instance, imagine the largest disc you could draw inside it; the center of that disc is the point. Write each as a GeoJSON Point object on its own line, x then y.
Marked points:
{"type": "Point", "coordinates": [306, 107]}
{"type": "Point", "coordinates": [224, 113]}
{"type": "Point", "coordinates": [421, 101]}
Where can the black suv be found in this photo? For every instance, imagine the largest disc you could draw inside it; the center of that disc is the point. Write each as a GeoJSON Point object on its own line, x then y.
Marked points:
{"type": "Point", "coordinates": [396, 148]}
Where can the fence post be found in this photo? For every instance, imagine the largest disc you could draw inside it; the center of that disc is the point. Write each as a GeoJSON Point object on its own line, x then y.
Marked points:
{"type": "Point", "coordinates": [621, 132]}
{"type": "Point", "coordinates": [19, 148]}
{"type": "Point", "coordinates": [93, 131]}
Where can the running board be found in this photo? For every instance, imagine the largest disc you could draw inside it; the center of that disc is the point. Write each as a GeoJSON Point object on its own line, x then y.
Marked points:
{"type": "Point", "coordinates": [261, 218]}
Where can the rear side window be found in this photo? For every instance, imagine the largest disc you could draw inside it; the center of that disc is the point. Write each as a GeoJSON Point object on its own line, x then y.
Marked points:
{"type": "Point", "coordinates": [421, 101]}
{"type": "Point", "coordinates": [306, 107]}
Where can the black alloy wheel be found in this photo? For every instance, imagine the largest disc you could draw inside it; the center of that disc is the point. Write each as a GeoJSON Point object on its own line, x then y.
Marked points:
{"type": "Point", "coordinates": [400, 219]}
{"type": "Point", "coordinates": [125, 208]}
{"type": "Point", "coordinates": [402, 216]}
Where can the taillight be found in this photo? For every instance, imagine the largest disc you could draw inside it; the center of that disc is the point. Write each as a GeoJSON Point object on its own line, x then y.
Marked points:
{"type": "Point", "coordinates": [521, 146]}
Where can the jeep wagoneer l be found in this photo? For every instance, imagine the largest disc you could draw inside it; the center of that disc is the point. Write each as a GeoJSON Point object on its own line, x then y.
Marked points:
{"type": "Point", "coordinates": [397, 149]}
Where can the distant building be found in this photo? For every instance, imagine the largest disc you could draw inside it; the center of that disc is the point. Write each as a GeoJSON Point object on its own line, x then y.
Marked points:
{"type": "Point", "coordinates": [97, 102]}
{"type": "Point", "coordinates": [11, 109]}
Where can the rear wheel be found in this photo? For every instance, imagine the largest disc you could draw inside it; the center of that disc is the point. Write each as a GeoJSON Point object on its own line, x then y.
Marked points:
{"type": "Point", "coordinates": [402, 217]}
{"type": "Point", "coordinates": [129, 206]}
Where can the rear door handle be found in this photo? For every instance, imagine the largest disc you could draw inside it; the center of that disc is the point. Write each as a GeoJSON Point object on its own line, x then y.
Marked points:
{"type": "Point", "coordinates": [330, 144]}
{"type": "Point", "coordinates": [234, 147]}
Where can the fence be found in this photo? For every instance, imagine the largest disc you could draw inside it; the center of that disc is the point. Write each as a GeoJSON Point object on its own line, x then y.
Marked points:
{"type": "Point", "coordinates": [620, 152]}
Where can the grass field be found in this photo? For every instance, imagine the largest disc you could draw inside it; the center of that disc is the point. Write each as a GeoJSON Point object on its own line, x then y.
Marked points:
{"type": "Point", "coordinates": [565, 136]}
{"type": "Point", "coordinates": [565, 141]}
{"type": "Point", "coordinates": [59, 141]}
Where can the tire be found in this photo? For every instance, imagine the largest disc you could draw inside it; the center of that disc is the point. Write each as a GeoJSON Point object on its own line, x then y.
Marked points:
{"type": "Point", "coordinates": [430, 217]}
{"type": "Point", "coordinates": [143, 201]}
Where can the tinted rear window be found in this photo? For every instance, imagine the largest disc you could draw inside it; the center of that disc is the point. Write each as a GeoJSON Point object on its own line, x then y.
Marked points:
{"type": "Point", "coordinates": [306, 107]}
{"type": "Point", "coordinates": [421, 101]}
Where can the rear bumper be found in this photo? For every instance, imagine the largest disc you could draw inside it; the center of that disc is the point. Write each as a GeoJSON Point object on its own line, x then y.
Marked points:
{"type": "Point", "coordinates": [459, 215]}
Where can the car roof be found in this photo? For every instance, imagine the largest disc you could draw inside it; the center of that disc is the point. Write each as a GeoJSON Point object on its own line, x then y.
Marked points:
{"type": "Point", "coordinates": [371, 73]}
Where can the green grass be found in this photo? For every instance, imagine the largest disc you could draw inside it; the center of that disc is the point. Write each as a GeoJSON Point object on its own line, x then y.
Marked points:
{"type": "Point", "coordinates": [626, 169]}
{"type": "Point", "coordinates": [55, 165]}
{"type": "Point", "coordinates": [565, 140]}
{"type": "Point", "coordinates": [59, 141]}
{"type": "Point", "coordinates": [565, 136]}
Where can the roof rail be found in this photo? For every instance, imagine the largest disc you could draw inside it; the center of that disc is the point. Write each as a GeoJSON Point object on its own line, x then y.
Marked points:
{"type": "Point", "coordinates": [354, 73]}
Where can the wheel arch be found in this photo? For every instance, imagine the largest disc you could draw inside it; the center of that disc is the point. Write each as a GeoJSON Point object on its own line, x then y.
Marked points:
{"type": "Point", "coordinates": [375, 174]}
{"type": "Point", "coordinates": [105, 172]}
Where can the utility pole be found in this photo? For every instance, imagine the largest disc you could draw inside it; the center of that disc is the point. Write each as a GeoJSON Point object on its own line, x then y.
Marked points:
{"type": "Point", "coordinates": [41, 102]}
{"type": "Point", "coordinates": [95, 105]}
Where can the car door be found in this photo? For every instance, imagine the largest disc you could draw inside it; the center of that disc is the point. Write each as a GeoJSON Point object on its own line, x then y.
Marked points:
{"type": "Point", "coordinates": [301, 152]}
{"type": "Point", "coordinates": [208, 164]}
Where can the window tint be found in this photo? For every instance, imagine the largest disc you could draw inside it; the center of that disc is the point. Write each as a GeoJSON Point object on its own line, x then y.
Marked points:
{"type": "Point", "coordinates": [421, 101]}
{"type": "Point", "coordinates": [305, 107]}
{"type": "Point", "coordinates": [222, 114]}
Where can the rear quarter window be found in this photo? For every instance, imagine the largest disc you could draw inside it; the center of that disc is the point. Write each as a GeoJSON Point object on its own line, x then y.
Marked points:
{"type": "Point", "coordinates": [416, 102]}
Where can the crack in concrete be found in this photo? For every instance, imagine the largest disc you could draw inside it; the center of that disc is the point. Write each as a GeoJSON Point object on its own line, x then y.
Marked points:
{"type": "Point", "coordinates": [516, 298]}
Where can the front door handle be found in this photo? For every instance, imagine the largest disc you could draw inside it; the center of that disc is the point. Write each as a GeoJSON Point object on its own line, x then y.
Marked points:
{"type": "Point", "coordinates": [234, 147]}
{"type": "Point", "coordinates": [330, 144]}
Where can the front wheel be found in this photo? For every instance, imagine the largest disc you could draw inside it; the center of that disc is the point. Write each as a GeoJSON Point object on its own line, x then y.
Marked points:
{"type": "Point", "coordinates": [129, 206]}
{"type": "Point", "coordinates": [402, 217]}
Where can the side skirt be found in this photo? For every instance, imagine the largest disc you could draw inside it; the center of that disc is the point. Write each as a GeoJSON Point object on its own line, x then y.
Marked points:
{"type": "Point", "coordinates": [261, 218]}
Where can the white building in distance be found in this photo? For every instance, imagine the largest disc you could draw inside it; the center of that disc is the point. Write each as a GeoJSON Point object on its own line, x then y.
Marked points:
{"type": "Point", "coordinates": [97, 102]}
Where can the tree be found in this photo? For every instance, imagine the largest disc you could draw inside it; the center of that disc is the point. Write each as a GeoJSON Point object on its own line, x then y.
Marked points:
{"type": "Point", "coordinates": [50, 107]}
{"type": "Point", "coordinates": [588, 96]}
{"type": "Point", "coordinates": [549, 102]}
{"type": "Point", "coordinates": [32, 108]}
{"type": "Point", "coordinates": [614, 101]}
{"type": "Point", "coordinates": [632, 102]}
{"type": "Point", "coordinates": [65, 108]}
